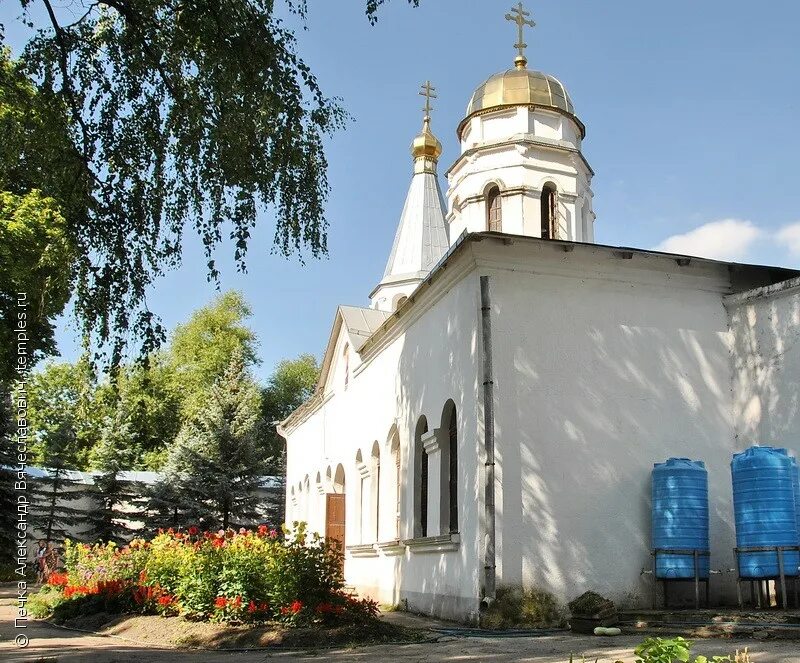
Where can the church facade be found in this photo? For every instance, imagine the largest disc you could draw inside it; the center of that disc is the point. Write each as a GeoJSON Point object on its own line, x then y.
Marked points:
{"type": "Point", "coordinates": [493, 416]}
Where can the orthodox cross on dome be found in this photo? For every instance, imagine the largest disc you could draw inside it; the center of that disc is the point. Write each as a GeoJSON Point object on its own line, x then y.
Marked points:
{"type": "Point", "coordinates": [519, 15]}
{"type": "Point", "coordinates": [429, 92]}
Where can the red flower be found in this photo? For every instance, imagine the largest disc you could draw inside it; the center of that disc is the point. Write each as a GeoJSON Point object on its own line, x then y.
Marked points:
{"type": "Point", "coordinates": [263, 606]}
{"type": "Point", "coordinates": [262, 530]}
{"type": "Point", "coordinates": [323, 608]}
{"type": "Point", "coordinates": [58, 580]}
{"type": "Point", "coordinates": [166, 600]}
{"type": "Point", "coordinates": [218, 543]}
{"type": "Point", "coordinates": [251, 607]}
{"type": "Point", "coordinates": [296, 606]}
{"type": "Point", "coordinates": [220, 602]}
{"type": "Point", "coordinates": [193, 531]}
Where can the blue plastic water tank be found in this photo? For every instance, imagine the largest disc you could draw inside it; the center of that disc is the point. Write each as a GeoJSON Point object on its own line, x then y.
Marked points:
{"type": "Point", "coordinates": [765, 484]}
{"type": "Point", "coordinates": [680, 517]}
{"type": "Point", "coordinates": [796, 480]}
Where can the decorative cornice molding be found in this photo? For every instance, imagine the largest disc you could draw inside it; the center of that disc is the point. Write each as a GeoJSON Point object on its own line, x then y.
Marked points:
{"type": "Point", "coordinates": [443, 543]}
{"type": "Point", "coordinates": [391, 548]}
{"type": "Point", "coordinates": [362, 550]}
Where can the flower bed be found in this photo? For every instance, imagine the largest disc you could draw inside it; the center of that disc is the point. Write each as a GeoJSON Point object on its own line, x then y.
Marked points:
{"type": "Point", "coordinates": [236, 577]}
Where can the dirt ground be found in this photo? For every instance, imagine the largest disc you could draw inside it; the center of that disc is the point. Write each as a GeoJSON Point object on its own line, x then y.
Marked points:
{"type": "Point", "coordinates": [54, 645]}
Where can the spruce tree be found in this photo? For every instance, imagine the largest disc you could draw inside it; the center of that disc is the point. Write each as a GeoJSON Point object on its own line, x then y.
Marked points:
{"type": "Point", "coordinates": [114, 455]}
{"type": "Point", "coordinates": [217, 463]}
{"type": "Point", "coordinates": [167, 507]}
{"type": "Point", "coordinates": [53, 515]}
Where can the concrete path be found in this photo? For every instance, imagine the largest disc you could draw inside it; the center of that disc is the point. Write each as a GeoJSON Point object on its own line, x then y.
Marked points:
{"type": "Point", "coordinates": [49, 644]}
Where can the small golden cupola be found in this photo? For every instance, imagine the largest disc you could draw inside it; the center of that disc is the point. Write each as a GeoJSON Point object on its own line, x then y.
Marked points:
{"type": "Point", "coordinates": [426, 148]}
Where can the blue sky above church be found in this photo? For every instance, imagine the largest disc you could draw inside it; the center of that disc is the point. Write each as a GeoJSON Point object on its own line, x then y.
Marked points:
{"type": "Point", "coordinates": [690, 110]}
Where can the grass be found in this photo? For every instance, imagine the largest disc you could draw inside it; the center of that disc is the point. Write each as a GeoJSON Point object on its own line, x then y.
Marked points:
{"type": "Point", "coordinates": [516, 607]}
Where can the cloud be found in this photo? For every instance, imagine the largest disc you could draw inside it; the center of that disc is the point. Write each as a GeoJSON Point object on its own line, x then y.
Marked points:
{"type": "Point", "coordinates": [789, 237]}
{"type": "Point", "coordinates": [727, 239]}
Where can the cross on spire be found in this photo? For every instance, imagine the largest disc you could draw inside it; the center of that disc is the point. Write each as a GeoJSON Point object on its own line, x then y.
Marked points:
{"type": "Point", "coordinates": [429, 92]}
{"type": "Point", "coordinates": [519, 15]}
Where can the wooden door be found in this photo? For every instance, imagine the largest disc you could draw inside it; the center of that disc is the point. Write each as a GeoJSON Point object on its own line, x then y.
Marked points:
{"type": "Point", "coordinates": [334, 518]}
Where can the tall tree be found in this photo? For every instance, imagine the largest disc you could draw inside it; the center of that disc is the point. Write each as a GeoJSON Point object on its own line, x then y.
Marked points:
{"type": "Point", "coordinates": [217, 462]}
{"type": "Point", "coordinates": [173, 113]}
{"type": "Point", "coordinates": [54, 514]}
{"type": "Point", "coordinates": [36, 269]}
{"type": "Point", "coordinates": [290, 385]}
{"type": "Point", "coordinates": [115, 454]}
{"type": "Point", "coordinates": [147, 396]}
{"type": "Point", "coordinates": [201, 350]}
{"type": "Point", "coordinates": [64, 396]}
{"type": "Point", "coordinates": [8, 498]}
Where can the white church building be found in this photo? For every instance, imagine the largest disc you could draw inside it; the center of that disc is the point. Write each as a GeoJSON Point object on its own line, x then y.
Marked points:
{"type": "Point", "coordinates": [494, 415]}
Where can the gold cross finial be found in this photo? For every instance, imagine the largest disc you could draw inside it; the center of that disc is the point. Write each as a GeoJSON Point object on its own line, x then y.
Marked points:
{"type": "Point", "coordinates": [429, 92]}
{"type": "Point", "coordinates": [519, 15]}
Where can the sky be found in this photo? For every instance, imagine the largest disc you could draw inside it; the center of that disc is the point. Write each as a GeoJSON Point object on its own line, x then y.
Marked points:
{"type": "Point", "coordinates": [690, 109]}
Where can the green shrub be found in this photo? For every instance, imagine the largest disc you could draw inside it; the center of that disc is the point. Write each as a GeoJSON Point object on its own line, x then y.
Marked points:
{"type": "Point", "coordinates": [659, 650]}
{"type": "Point", "coordinates": [45, 601]}
{"type": "Point", "coordinates": [243, 576]}
{"type": "Point", "coordinates": [517, 607]}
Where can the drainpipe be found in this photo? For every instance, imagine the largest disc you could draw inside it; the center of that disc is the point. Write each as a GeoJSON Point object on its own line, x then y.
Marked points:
{"type": "Point", "coordinates": [488, 427]}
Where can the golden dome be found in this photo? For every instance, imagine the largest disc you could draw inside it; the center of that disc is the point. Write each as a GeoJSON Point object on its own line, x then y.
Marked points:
{"type": "Point", "coordinates": [426, 144]}
{"type": "Point", "coordinates": [521, 87]}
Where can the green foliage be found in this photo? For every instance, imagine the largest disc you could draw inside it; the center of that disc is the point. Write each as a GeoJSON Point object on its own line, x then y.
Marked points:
{"type": "Point", "coordinates": [36, 258]}
{"type": "Point", "coordinates": [659, 650]}
{"type": "Point", "coordinates": [201, 350]}
{"type": "Point", "coordinates": [217, 462]}
{"type": "Point", "coordinates": [226, 576]}
{"type": "Point", "coordinates": [42, 604]}
{"type": "Point", "coordinates": [290, 385]}
{"type": "Point", "coordinates": [8, 497]}
{"type": "Point", "coordinates": [514, 607]}
{"type": "Point", "coordinates": [63, 396]}
{"type": "Point", "coordinates": [202, 117]}
{"type": "Point", "coordinates": [53, 513]}
{"type": "Point", "coordinates": [112, 456]}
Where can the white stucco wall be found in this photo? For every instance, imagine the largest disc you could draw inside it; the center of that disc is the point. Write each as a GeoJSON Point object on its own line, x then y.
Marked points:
{"type": "Point", "coordinates": [606, 361]}
{"type": "Point", "coordinates": [766, 362]}
{"type": "Point", "coordinates": [430, 356]}
{"type": "Point", "coordinates": [603, 367]}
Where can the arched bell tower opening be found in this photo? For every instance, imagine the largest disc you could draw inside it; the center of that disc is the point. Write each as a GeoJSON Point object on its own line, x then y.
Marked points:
{"type": "Point", "coordinates": [494, 210]}
{"type": "Point", "coordinates": [549, 211]}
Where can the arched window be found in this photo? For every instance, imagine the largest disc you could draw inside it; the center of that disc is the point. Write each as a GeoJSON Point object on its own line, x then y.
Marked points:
{"type": "Point", "coordinates": [376, 490]}
{"type": "Point", "coordinates": [420, 480]}
{"type": "Point", "coordinates": [346, 360]}
{"type": "Point", "coordinates": [307, 495]}
{"type": "Point", "coordinates": [394, 450]}
{"type": "Point", "coordinates": [363, 493]}
{"type": "Point", "coordinates": [494, 210]}
{"type": "Point", "coordinates": [400, 301]}
{"type": "Point", "coordinates": [549, 211]}
{"type": "Point", "coordinates": [450, 424]}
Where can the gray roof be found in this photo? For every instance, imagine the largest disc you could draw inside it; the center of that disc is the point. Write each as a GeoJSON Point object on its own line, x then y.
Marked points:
{"type": "Point", "coordinates": [361, 322]}
{"type": "Point", "coordinates": [421, 237]}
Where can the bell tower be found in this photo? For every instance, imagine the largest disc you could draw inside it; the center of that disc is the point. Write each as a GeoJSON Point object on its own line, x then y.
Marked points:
{"type": "Point", "coordinates": [521, 169]}
{"type": "Point", "coordinates": [421, 238]}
